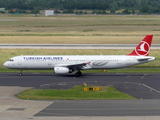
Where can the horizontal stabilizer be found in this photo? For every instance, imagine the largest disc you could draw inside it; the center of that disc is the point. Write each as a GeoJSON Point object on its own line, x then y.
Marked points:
{"type": "Point", "coordinates": [143, 59]}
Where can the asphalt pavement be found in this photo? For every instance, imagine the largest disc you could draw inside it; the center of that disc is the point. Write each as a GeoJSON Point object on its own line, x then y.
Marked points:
{"type": "Point", "coordinates": [139, 85]}
{"type": "Point", "coordinates": [145, 87]}
{"type": "Point", "coordinates": [73, 46]}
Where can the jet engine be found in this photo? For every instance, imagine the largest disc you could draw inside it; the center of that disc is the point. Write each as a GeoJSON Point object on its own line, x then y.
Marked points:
{"type": "Point", "coordinates": [62, 70]}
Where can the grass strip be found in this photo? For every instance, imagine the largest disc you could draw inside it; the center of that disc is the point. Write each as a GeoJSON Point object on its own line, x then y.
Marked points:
{"type": "Point", "coordinates": [75, 93]}
{"type": "Point", "coordinates": [45, 35]}
{"type": "Point", "coordinates": [126, 70]}
{"type": "Point", "coordinates": [89, 34]}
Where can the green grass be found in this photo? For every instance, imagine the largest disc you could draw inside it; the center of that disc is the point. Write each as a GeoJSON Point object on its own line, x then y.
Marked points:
{"type": "Point", "coordinates": [22, 34]}
{"type": "Point", "coordinates": [112, 29]}
{"type": "Point", "coordinates": [75, 93]}
{"type": "Point", "coordinates": [135, 70]}
{"type": "Point", "coordinates": [80, 25]}
{"type": "Point", "coordinates": [126, 70]}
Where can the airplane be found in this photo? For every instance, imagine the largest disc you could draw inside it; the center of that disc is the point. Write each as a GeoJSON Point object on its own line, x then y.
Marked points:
{"type": "Point", "coordinates": [64, 64]}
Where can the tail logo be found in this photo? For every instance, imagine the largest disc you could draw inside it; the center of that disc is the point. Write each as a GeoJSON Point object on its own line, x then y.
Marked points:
{"type": "Point", "coordinates": [143, 48]}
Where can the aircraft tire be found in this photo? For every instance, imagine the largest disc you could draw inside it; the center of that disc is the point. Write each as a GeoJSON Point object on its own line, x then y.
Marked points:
{"type": "Point", "coordinates": [77, 74]}
{"type": "Point", "coordinates": [20, 74]}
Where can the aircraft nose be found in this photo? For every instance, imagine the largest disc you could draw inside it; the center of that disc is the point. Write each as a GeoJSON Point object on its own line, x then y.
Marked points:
{"type": "Point", "coordinates": [5, 64]}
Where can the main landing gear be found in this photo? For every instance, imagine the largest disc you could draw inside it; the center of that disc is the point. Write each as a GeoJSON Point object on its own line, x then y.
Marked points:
{"type": "Point", "coordinates": [20, 73]}
{"type": "Point", "coordinates": [77, 74]}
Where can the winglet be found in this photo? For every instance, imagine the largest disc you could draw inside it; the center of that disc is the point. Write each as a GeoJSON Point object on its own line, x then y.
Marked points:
{"type": "Point", "coordinates": [143, 48]}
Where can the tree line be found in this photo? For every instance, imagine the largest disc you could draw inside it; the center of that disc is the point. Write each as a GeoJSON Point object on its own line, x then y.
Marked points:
{"type": "Point", "coordinates": [143, 6]}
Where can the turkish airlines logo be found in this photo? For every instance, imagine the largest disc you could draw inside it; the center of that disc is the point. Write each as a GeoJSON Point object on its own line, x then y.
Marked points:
{"type": "Point", "coordinates": [143, 48]}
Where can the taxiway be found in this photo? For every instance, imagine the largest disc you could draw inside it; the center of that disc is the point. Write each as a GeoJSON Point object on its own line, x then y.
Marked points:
{"type": "Point", "coordinates": [145, 87]}
{"type": "Point", "coordinates": [73, 46]}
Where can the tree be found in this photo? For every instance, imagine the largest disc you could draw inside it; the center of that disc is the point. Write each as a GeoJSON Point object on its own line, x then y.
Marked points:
{"type": "Point", "coordinates": [69, 11]}
{"type": "Point", "coordinates": [126, 11]}
{"type": "Point", "coordinates": [145, 9]}
{"type": "Point", "coordinates": [113, 11]}
{"type": "Point", "coordinates": [114, 6]}
{"type": "Point", "coordinates": [35, 11]}
{"type": "Point", "coordinates": [145, 6]}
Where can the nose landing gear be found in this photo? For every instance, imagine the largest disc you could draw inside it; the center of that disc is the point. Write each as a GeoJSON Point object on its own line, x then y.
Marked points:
{"type": "Point", "coordinates": [20, 74]}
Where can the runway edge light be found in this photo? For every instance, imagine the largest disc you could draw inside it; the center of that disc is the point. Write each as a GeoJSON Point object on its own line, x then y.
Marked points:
{"type": "Point", "coordinates": [84, 85]}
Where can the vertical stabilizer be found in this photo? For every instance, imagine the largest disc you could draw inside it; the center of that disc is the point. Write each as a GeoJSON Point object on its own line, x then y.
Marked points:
{"type": "Point", "coordinates": [143, 48]}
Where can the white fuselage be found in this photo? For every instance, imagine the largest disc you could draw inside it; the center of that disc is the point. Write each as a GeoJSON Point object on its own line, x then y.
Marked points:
{"type": "Point", "coordinates": [91, 61]}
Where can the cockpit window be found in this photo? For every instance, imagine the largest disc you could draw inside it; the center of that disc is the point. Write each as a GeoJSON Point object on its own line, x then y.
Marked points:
{"type": "Point", "coordinates": [11, 60]}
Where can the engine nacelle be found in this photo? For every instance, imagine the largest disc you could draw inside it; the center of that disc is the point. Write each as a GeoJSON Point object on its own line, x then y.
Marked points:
{"type": "Point", "coordinates": [62, 70]}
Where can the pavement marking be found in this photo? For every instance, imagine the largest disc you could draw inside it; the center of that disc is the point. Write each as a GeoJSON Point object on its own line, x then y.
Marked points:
{"type": "Point", "coordinates": [93, 109]}
{"type": "Point", "coordinates": [55, 114]}
{"type": "Point", "coordinates": [143, 76]}
{"type": "Point", "coordinates": [151, 88]}
{"type": "Point", "coordinates": [62, 84]}
{"type": "Point", "coordinates": [128, 76]}
{"type": "Point", "coordinates": [19, 76]}
{"type": "Point", "coordinates": [10, 77]}
{"type": "Point", "coordinates": [145, 86]}
{"type": "Point", "coordinates": [17, 109]}
{"type": "Point", "coordinates": [44, 85]}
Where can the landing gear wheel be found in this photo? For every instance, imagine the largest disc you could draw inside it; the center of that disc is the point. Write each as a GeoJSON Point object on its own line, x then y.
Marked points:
{"type": "Point", "coordinates": [77, 74]}
{"type": "Point", "coordinates": [20, 74]}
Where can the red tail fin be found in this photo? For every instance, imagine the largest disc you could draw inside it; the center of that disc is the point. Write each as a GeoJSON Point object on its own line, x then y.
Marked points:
{"type": "Point", "coordinates": [143, 47]}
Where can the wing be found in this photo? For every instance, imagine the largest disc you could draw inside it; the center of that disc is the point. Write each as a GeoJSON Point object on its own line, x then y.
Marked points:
{"type": "Point", "coordinates": [80, 66]}
{"type": "Point", "coordinates": [77, 65]}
